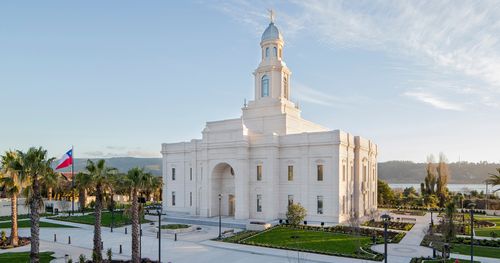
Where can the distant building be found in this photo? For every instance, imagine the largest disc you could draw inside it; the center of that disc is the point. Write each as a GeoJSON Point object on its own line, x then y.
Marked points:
{"type": "Point", "coordinates": [270, 157]}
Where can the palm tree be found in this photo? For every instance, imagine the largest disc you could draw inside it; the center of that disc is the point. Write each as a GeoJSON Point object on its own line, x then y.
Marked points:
{"type": "Point", "coordinates": [83, 183]}
{"type": "Point", "coordinates": [152, 185]}
{"type": "Point", "coordinates": [99, 175]}
{"type": "Point", "coordinates": [494, 179]}
{"type": "Point", "coordinates": [34, 165]}
{"type": "Point", "coordinates": [136, 180]}
{"type": "Point", "coordinates": [13, 185]}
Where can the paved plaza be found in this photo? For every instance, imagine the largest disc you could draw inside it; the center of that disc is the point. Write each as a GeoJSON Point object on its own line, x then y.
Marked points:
{"type": "Point", "coordinates": [197, 246]}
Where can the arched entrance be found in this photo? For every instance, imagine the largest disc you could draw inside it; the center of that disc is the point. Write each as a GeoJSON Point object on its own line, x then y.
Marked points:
{"type": "Point", "coordinates": [223, 183]}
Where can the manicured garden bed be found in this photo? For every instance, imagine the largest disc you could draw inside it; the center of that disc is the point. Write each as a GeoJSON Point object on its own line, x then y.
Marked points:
{"type": "Point", "coordinates": [429, 260]}
{"type": "Point", "coordinates": [391, 225]}
{"type": "Point", "coordinates": [175, 226]}
{"type": "Point", "coordinates": [21, 257]}
{"type": "Point", "coordinates": [5, 242]}
{"type": "Point", "coordinates": [409, 212]}
{"type": "Point", "coordinates": [492, 230]}
{"type": "Point", "coordinates": [313, 241]}
{"type": "Point", "coordinates": [119, 219]}
{"type": "Point", "coordinates": [460, 245]}
{"type": "Point", "coordinates": [339, 240]}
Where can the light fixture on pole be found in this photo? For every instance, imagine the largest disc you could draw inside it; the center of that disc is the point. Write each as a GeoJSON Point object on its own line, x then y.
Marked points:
{"type": "Point", "coordinates": [159, 213]}
{"type": "Point", "coordinates": [220, 219]}
{"type": "Point", "coordinates": [386, 219]}
{"type": "Point", "coordinates": [471, 210]}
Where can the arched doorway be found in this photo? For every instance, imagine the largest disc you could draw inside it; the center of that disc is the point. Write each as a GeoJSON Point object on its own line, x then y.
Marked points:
{"type": "Point", "coordinates": [223, 183]}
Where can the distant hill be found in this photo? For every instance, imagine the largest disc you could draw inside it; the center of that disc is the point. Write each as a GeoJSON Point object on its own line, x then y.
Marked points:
{"type": "Point", "coordinates": [391, 171]}
{"type": "Point", "coordinates": [410, 172]}
{"type": "Point", "coordinates": [123, 164]}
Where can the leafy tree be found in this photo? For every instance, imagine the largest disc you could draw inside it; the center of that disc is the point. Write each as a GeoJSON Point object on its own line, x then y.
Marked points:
{"type": "Point", "coordinates": [100, 174]}
{"type": "Point", "coordinates": [449, 230]}
{"type": "Point", "coordinates": [430, 179]}
{"type": "Point", "coordinates": [443, 175]}
{"type": "Point", "coordinates": [385, 195]}
{"type": "Point", "coordinates": [295, 214]}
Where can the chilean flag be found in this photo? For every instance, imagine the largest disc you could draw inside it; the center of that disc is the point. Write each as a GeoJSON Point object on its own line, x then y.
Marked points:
{"type": "Point", "coordinates": [66, 160]}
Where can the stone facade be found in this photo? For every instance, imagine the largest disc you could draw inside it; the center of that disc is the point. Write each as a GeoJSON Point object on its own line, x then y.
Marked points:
{"type": "Point", "coordinates": [270, 157]}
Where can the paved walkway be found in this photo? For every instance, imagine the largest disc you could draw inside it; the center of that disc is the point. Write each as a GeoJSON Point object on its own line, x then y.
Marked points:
{"type": "Point", "coordinates": [198, 247]}
{"type": "Point", "coordinates": [409, 246]}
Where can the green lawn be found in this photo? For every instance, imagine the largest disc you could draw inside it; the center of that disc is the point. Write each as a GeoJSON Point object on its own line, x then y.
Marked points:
{"type": "Point", "coordinates": [21, 257]}
{"type": "Point", "coordinates": [23, 216]}
{"type": "Point", "coordinates": [451, 260]}
{"type": "Point", "coordinates": [27, 223]}
{"type": "Point", "coordinates": [480, 251]}
{"type": "Point", "coordinates": [486, 231]}
{"type": "Point", "coordinates": [313, 241]}
{"type": "Point", "coordinates": [89, 219]}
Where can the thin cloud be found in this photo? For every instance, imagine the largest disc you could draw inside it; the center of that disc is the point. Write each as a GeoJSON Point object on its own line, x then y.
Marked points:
{"type": "Point", "coordinates": [447, 38]}
{"type": "Point", "coordinates": [434, 101]}
{"type": "Point", "coordinates": [304, 93]}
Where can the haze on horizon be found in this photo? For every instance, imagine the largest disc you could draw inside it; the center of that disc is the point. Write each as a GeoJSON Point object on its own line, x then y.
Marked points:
{"type": "Point", "coordinates": [118, 78]}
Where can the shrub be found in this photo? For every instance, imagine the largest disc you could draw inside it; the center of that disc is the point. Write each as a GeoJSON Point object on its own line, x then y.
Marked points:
{"type": "Point", "coordinates": [82, 258]}
{"type": "Point", "coordinates": [295, 214]}
{"type": "Point", "coordinates": [109, 253]}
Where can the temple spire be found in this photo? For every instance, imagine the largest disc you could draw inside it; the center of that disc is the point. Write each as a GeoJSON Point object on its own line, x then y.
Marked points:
{"type": "Point", "coordinates": [272, 15]}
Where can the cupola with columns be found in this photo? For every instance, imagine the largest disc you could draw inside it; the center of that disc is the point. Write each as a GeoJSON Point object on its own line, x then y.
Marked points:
{"type": "Point", "coordinates": [272, 77]}
{"type": "Point", "coordinates": [271, 111]}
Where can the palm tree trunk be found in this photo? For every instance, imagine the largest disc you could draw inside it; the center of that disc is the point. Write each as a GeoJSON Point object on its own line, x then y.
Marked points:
{"type": "Point", "coordinates": [97, 257]}
{"type": "Point", "coordinates": [82, 199]}
{"type": "Point", "coordinates": [14, 238]}
{"type": "Point", "coordinates": [135, 228]}
{"type": "Point", "coordinates": [35, 218]}
{"type": "Point", "coordinates": [49, 193]}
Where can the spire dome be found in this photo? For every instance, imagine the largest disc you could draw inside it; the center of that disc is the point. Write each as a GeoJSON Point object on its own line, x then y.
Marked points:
{"type": "Point", "coordinates": [271, 32]}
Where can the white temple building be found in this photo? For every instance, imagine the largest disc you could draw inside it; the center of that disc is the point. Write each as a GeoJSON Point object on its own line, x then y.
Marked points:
{"type": "Point", "coordinates": [270, 157]}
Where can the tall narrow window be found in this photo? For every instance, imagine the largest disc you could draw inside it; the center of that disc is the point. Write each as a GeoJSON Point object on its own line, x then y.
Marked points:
{"type": "Point", "coordinates": [290, 173]}
{"type": "Point", "coordinates": [290, 200]}
{"type": "Point", "coordinates": [343, 172]}
{"type": "Point", "coordinates": [320, 172]}
{"type": "Point", "coordinates": [190, 198]}
{"type": "Point", "coordinates": [173, 198]}
{"type": "Point", "coordinates": [190, 173]}
{"type": "Point", "coordinates": [285, 87]}
{"type": "Point", "coordinates": [265, 86]}
{"type": "Point", "coordinates": [259, 203]}
{"type": "Point", "coordinates": [173, 174]}
{"type": "Point", "coordinates": [343, 204]}
{"type": "Point", "coordinates": [267, 52]}
{"type": "Point", "coordinates": [364, 173]}
{"type": "Point", "coordinates": [259, 172]}
{"type": "Point", "coordinates": [320, 205]}
{"type": "Point", "coordinates": [275, 53]}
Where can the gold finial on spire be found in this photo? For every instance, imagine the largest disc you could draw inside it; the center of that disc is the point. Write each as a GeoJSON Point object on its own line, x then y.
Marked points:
{"type": "Point", "coordinates": [272, 15]}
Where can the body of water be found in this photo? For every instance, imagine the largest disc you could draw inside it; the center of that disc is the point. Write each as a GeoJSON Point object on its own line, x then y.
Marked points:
{"type": "Point", "coordinates": [461, 188]}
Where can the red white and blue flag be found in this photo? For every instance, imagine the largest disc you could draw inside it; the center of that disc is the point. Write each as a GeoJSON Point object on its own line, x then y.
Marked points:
{"type": "Point", "coordinates": [66, 160]}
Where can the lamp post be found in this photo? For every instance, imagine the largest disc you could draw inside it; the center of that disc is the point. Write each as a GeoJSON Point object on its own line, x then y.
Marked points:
{"type": "Point", "coordinates": [386, 219]}
{"type": "Point", "coordinates": [220, 219]}
{"type": "Point", "coordinates": [432, 219]}
{"type": "Point", "coordinates": [159, 234]}
{"type": "Point", "coordinates": [471, 210]}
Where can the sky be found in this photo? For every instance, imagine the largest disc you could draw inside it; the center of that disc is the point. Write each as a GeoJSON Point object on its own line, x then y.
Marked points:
{"type": "Point", "coordinates": [118, 78]}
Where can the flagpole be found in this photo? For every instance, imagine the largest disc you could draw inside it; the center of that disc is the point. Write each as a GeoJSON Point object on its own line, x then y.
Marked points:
{"type": "Point", "coordinates": [72, 180]}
